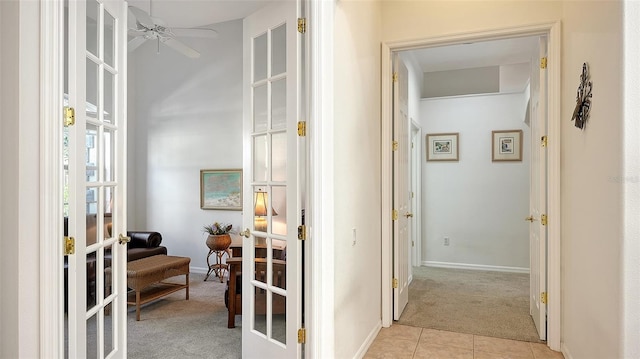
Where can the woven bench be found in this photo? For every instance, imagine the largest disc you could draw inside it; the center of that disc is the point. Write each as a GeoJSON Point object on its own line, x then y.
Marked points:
{"type": "Point", "coordinates": [145, 277]}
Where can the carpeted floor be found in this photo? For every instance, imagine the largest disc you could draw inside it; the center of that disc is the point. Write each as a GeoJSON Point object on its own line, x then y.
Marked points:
{"type": "Point", "coordinates": [494, 304]}
{"type": "Point", "coordinates": [175, 328]}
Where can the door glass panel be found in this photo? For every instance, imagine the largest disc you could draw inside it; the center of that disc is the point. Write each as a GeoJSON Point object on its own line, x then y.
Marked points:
{"type": "Point", "coordinates": [91, 280]}
{"type": "Point", "coordinates": [93, 14]}
{"type": "Point", "coordinates": [279, 156]}
{"type": "Point", "coordinates": [260, 273]}
{"type": "Point", "coordinates": [279, 204]}
{"type": "Point", "coordinates": [92, 337]}
{"type": "Point", "coordinates": [260, 212]}
{"type": "Point", "coordinates": [279, 104]}
{"type": "Point", "coordinates": [92, 215]}
{"type": "Point", "coordinates": [92, 89]}
{"type": "Point", "coordinates": [279, 274]}
{"type": "Point", "coordinates": [260, 318]}
{"type": "Point", "coordinates": [109, 91]}
{"type": "Point", "coordinates": [279, 322]}
{"type": "Point", "coordinates": [109, 154]}
{"type": "Point", "coordinates": [260, 108]}
{"type": "Point", "coordinates": [109, 35]}
{"type": "Point", "coordinates": [108, 200]}
{"type": "Point", "coordinates": [279, 50]}
{"type": "Point", "coordinates": [260, 158]}
{"type": "Point", "coordinates": [108, 330]}
{"type": "Point", "coordinates": [91, 155]}
{"type": "Point", "coordinates": [106, 277]}
{"type": "Point", "coordinates": [260, 57]}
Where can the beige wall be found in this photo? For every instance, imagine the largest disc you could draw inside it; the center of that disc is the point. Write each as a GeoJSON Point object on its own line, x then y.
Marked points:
{"type": "Point", "coordinates": [591, 160]}
{"type": "Point", "coordinates": [357, 174]}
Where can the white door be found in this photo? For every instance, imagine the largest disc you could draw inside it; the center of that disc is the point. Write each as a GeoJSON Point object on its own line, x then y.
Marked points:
{"type": "Point", "coordinates": [401, 188]}
{"type": "Point", "coordinates": [272, 275]}
{"type": "Point", "coordinates": [538, 196]}
{"type": "Point", "coordinates": [95, 176]}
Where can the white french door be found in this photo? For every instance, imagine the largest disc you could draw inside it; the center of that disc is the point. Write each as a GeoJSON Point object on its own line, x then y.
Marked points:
{"type": "Point", "coordinates": [538, 198]}
{"type": "Point", "coordinates": [272, 261]}
{"type": "Point", "coordinates": [95, 179]}
{"type": "Point", "coordinates": [401, 188]}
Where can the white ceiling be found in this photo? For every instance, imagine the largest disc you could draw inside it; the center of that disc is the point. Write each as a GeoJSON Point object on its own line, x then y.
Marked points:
{"type": "Point", "coordinates": [197, 13]}
{"type": "Point", "coordinates": [479, 54]}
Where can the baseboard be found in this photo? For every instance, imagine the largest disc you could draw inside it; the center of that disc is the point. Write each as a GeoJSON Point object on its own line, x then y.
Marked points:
{"type": "Point", "coordinates": [367, 343]}
{"type": "Point", "coordinates": [475, 267]}
{"type": "Point", "coordinates": [565, 351]}
{"type": "Point", "coordinates": [198, 270]}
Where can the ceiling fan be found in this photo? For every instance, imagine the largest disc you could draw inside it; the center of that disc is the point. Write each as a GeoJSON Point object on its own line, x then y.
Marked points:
{"type": "Point", "coordinates": [145, 27]}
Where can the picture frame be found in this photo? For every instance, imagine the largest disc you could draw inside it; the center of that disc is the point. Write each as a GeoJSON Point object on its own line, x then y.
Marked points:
{"type": "Point", "coordinates": [506, 145]}
{"type": "Point", "coordinates": [221, 189]}
{"type": "Point", "coordinates": [442, 147]}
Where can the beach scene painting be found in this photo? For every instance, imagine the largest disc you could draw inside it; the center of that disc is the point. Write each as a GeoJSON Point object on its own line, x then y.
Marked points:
{"type": "Point", "coordinates": [221, 189]}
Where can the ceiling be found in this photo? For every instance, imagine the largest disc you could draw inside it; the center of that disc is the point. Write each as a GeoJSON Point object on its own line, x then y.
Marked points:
{"type": "Point", "coordinates": [478, 54]}
{"type": "Point", "coordinates": [197, 13]}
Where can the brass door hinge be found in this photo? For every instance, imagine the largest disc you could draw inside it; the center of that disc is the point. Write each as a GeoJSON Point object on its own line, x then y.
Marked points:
{"type": "Point", "coordinates": [69, 246]}
{"type": "Point", "coordinates": [302, 128]}
{"type": "Point", "coordinates": [395, 77]}
{"type": "Point", "coordinates": [543, 297]}
{"type": "Point", "coordinates": [394, 215]}
{"type": "Point", "coordinates": [302, 25]}
{"type": "Point", "coordinates": [69, 116]}
{"type": "Point", "coordinates": [543, 219]}
{"type": "Point", "coordinates": [394, 145]}
{"type": "Point", "coordinates": [543, 63]}
{"type": "Point", "coordinates": [543, 141]}
{"type": "Point", "coordinates": [302, 232]}
{"type": "Point", "coordinates": [302, 335]}
{"type": "Point", "coordinates": [395, 283]}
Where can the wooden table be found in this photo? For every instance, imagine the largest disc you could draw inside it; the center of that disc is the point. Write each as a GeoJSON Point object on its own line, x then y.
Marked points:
{"type": "Point", "coordinates": [145, 277]}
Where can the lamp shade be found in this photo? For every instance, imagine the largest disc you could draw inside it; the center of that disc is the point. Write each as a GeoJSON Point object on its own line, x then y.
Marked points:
{"type": "Point", "coordinates": [260, 208]}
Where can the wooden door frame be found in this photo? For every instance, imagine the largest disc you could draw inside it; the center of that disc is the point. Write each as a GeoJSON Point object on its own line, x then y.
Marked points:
{"type": "Point", "coordinates": [552, 31]}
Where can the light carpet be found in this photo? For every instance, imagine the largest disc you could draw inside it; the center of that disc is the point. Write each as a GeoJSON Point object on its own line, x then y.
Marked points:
{"type": "Point", "coordinates": [173, 327]}
{"type": "Point", "coordinates": [493, 304]}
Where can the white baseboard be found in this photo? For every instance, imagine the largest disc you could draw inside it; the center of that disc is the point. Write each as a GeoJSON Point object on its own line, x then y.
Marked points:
{"type": "Point", "coordinates": [475, 267]}
{"type": "Point", "coordinates": [199, 270]}
{"type": "Point", "coordinates": [565, 351]}
{"type": "Point", "coordinates": [367, 343]}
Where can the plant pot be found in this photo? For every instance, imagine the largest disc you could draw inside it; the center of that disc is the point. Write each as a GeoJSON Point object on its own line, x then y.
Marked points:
{"type": "Point", "coordinates": [218, 242]}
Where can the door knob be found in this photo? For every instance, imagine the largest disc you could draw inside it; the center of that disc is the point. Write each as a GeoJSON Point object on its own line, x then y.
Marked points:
{"type": "Point", "coordinates": [530, 219]}
{"type": "Point", "coordinates": [123, 239]}
{"type": "Point", "coordinates": [246, 233]}
{"type": "Point", "coordinates": [408, 215]}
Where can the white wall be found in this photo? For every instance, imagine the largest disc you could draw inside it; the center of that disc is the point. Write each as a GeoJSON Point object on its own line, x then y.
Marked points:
{"type": "Point", "coordinates": [357, 175]}
{"type": "Point", "coordinates": [592, 174]}
{"type": "Point", "coordinates": [478, 204]}
{"type": "Point", "coordinates": [185, 115]}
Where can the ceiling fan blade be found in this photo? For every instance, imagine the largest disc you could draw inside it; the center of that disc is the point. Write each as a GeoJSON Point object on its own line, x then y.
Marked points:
{"type": "Point", "coordinates": [135, 43]}
{"type": "Point", "coordinates": [198, 32]}
{"type": "Point", "coordinates": [142, 17]}
{"type": "Point", "coordinates": [180, 47]}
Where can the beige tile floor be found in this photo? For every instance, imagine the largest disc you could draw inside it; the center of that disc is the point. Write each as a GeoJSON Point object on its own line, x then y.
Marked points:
{"type": "Point", "coordinates": [401, 341]}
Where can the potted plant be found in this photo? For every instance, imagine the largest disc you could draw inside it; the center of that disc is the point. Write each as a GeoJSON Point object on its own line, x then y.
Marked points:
{"type": "Point", "coordinates": [219, 238]}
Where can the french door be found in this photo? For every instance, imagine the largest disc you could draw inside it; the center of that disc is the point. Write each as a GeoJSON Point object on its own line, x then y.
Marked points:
{"type": "Point", "coordinates": [95, 178]}
{"type": "Point", "coordinates": [272, 281]}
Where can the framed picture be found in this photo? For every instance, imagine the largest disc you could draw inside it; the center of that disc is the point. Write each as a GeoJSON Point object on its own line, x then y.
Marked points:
{"type": "Point", "coordinates": [442, 147]}
{"type": "Point", "coordinates": [506, 145]}
{"type": "Point", "coordinates": [221, 189]}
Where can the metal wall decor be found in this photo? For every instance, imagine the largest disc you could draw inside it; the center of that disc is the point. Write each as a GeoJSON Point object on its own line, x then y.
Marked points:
{"type": "Point", "coordinates": [583, 99]}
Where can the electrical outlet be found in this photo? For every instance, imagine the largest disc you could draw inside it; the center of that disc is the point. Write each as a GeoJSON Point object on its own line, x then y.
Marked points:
{"type": "Point", "coordinates": [446, 241]}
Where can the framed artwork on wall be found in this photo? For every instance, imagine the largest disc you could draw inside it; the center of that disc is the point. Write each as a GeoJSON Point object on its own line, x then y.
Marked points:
{"type": "Point", "coordinates": [442, 147]}
{"type": "Point", "coordinates": [506, 145]}
{"type": "Point", "coordinates": [221, 189]}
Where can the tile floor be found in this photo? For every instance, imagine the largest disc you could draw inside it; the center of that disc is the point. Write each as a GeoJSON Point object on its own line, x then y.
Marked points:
{"type": "Point", "coordinates": [401, 341]}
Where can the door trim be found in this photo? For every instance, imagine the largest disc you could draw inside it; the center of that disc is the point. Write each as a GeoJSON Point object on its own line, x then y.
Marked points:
{"type": "Point", "coordinates": [51, 296]}
{"type": "Point", "coordinates": [550, 29]}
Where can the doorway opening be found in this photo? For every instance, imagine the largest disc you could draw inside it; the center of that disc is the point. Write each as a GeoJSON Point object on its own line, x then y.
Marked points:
{"type": "Point", "coordinates": [549, 31]}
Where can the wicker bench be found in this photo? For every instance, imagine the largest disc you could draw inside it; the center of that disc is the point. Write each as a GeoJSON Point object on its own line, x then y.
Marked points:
{"type": "Point", "coordinates": [145, 277]}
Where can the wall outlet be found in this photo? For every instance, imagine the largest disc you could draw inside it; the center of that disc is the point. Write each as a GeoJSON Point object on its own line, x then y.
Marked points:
{"type": "Point", "coordinates": [446, 241]}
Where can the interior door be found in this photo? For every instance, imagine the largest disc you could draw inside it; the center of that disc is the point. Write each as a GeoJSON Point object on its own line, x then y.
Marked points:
{"type": "Point", "coordinates": [538, 195]}
{"type": "Point", "coordinates": [271, 282]}
{"type": "Point", "coordinates": [95, 179]}
{"type": "Point", "coordinates": [401, 188]}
